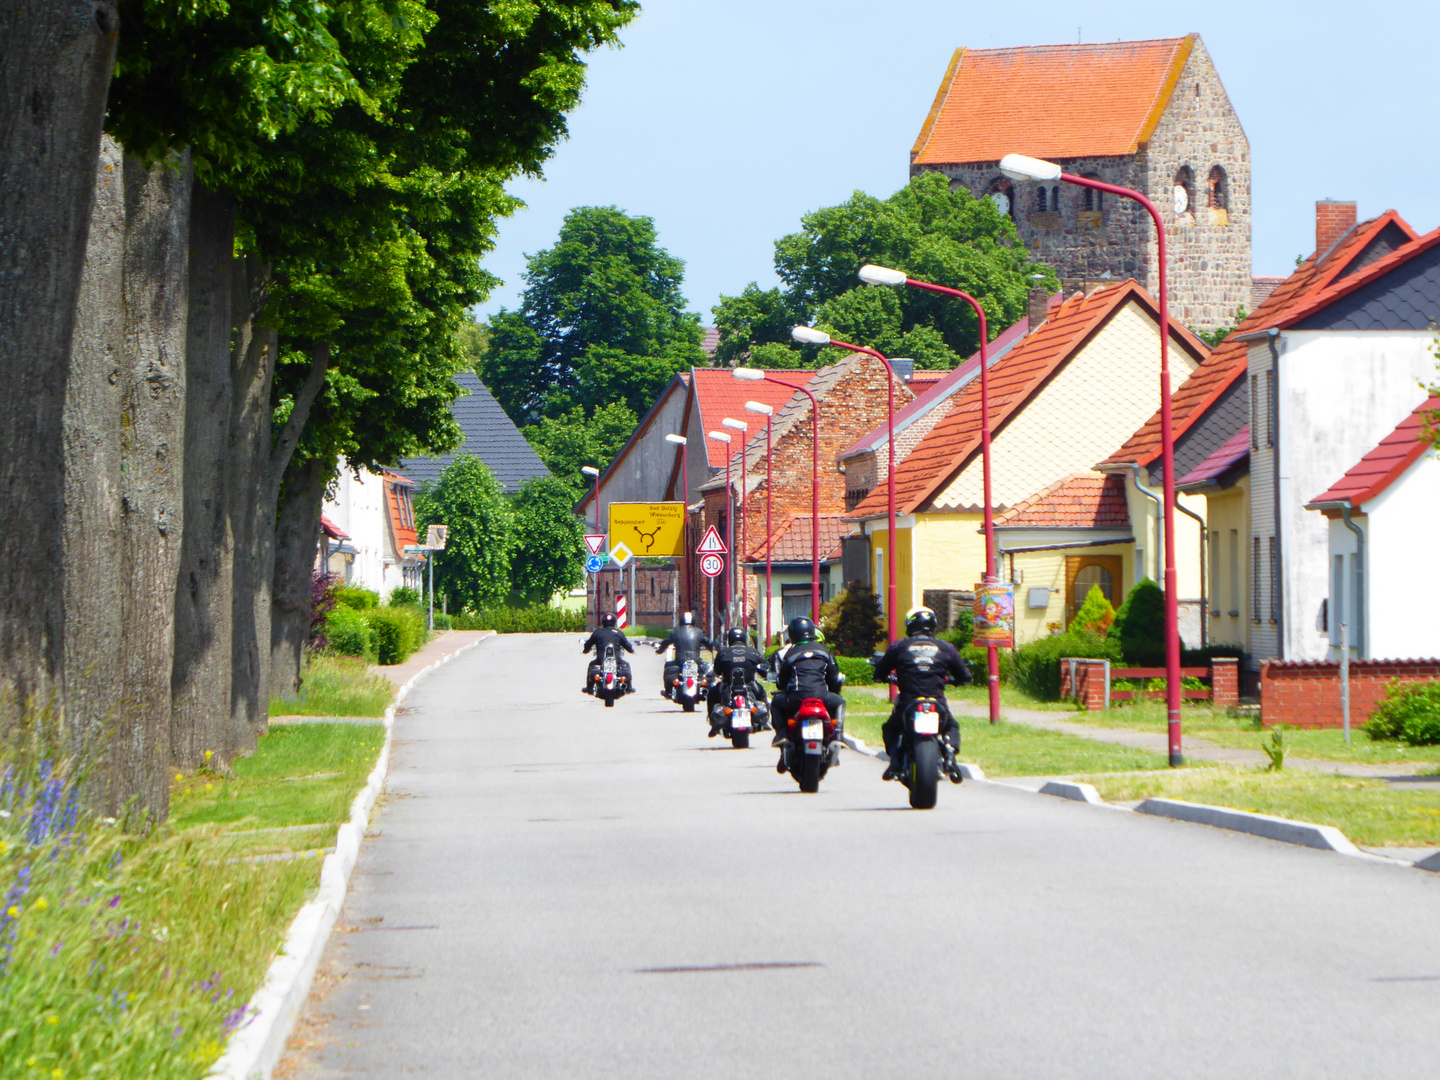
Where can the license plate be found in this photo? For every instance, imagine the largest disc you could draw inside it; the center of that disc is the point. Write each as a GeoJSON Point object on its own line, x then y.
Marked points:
{"type": "Point", "coordinates": [812, 729]}
{"type": "Point", "coordinates": [740, 722]}
{"type": "Point", "coordinates": [927, 723]}
{"type": "Point", "coordinates": [690, 670]}
{"type": "Point", "coordinates": [609, 668]}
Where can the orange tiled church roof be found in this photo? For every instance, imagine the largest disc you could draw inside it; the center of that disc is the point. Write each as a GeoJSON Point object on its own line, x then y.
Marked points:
{"type": "Point", "coordinates": [1051, 101]}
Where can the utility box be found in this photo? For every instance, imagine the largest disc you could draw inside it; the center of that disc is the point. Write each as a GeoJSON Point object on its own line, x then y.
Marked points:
{"type": "Point", "coordinates": [1038, 598]}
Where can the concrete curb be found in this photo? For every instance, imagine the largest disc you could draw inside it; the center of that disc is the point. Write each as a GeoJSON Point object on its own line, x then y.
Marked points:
{"type": "Point", "coordinates": [1065, 789]}
{"type": "Point", "coordinates": [1324, 837]}
{"type": "Point", "coordinates": [1430, 862]}
{"type": "Point", "coordinates": [255, 1050]}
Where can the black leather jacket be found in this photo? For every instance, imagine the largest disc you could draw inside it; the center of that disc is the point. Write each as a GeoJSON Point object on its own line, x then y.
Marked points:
{"type": "Point", "coordinates": [808, 668]}
{"type": "Point", "coordinates": [920, 665]}
{"type": "Point", "coordinates": [688, 641]}
{"type": "Point", "coordinates": [605, 636]}
{"type": "Point", "coordinates": [730, 657]}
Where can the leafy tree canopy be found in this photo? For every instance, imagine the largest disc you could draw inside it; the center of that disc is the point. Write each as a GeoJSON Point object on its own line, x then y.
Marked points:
{"type": "Point", "coordinates": [566, 443]}
{"type": "Point", "coordinates": [474, 568]}
{"type": "Point", "coordinates": [926, 229]}
{"type": "Point", "coordinates": [548, 541]}
{"type": "Point", "coordinates": [602, 320]}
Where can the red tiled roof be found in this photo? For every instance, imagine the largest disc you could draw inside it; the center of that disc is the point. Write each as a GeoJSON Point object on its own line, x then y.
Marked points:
{"type": "Point", "coordinates": [922, 378]}
{"type": "Point", "coordinates": [1016, 376]}
{"type": "Point", "coordinates": [401, 514]}
{"type": "Point", "coordinates": [720, 394]}
{"type": "Point", "coordinates": [709, 340]}
{"type": "Point", "coordinates": [330, 529]}
{"type": "Point", "coordinates": [1218, 372]}
{"type": "Point", "coordinates": [792, 540]}
{"type": "Point", "coordinates": [1051, 101]}
{"type": "Point", "coordinates": [1378, 469]}
{"type": "Point", "coordinates": [1229, 452]}
{"type": "Point", "coordinates": [1083, 501]}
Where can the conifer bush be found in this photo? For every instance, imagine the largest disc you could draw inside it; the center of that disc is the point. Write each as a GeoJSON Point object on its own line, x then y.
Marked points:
{"type": "Point", "coordinates": [1140, 625]}
{"type": "Point", "coordinates": [1096, 613]}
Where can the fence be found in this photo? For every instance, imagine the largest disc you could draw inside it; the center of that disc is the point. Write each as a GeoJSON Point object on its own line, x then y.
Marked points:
{"type": "Point", "coordinates": [1087, 682]}
{"type": "Point", "coordinates": [1306, 693]}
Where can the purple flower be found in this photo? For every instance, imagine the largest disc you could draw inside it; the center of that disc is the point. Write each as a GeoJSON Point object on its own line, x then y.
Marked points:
{"type": "Point", "coordinates": [56, 950]}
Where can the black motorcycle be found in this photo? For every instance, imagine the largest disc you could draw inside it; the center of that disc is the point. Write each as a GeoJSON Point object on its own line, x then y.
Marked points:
{"type": "Point", "coordinates": [610, 683]}
{"type": "Point", "coordinates": [738, 711]}
{"type": "Point", "coordinates": [922, 756]}
{"type": "Point", "coordinates": [687, 679]}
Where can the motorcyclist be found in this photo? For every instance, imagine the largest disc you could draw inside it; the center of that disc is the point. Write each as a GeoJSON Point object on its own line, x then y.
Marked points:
{"type": "Point", "coordinates": [608, 634]}
{"type": "Point", "coordinates": [688, 640]}
{"type": "Point", "coordinates": [735, 653]}
{"type": "Point", "coordinates": [806, 671]}
{"type": "Point", "coordinates": [920, 662]}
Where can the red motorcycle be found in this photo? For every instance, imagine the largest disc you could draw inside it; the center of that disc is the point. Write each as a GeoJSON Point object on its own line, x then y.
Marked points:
{"type": "Point", "coordinates": [812, 745]}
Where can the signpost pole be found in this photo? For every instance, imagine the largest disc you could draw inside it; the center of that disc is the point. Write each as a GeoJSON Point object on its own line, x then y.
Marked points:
{"type": "Point", "coordinates": [431, 561]}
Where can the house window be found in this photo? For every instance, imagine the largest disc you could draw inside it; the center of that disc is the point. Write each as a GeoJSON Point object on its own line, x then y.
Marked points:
{"type": "Point", "coordinates": [1218, 189]}
{"type": "Point", "coordinates": [1272, 409]}
{"type": "Point", "coordinates": [1255, 579]}
{"type": "Point", "coordinates": [1184, 190]}
{"type": "Point", "coordinates": [1274, 583]}
{"type": "Point", "coordinates": [1254, 412]}
{"type": "Point", "coordinates": [1234, 573]}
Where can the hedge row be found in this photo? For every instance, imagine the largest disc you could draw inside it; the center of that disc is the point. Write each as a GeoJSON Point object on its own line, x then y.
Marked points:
{"type": "Point", "coordinates": [390, 634]}
{"type": "Point", "coordinates": [538, 619]}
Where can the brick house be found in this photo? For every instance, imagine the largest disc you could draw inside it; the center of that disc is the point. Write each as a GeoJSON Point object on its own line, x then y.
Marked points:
{"type": "Point", "coordinates": [1148, 115]}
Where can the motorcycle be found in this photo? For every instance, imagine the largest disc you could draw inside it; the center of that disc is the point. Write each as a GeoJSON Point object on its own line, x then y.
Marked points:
{"type": "Point", "coordinates": [812, 745]}
{"type": "Point", "coordinates": [610, 682]}
{"type": "Point", "coordinates": [922, 756]}
{"type": "Point", "coordinates": [687, 686]}
{"type": "Point", "coordinates": [738, 713]}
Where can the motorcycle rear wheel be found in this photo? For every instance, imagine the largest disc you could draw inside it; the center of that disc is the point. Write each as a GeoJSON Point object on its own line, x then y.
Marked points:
{"type": "Point", "coordinates": [740, 740]}
{"type": "Point", "coordinates": [924, 774]}
{"type": "Point", "coordinates": [808, 775]}
{"type": "Point", "coordinates": [688, 706]}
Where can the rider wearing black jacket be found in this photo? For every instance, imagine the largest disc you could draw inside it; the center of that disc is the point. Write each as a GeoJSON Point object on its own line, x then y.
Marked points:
{"type": "Point", "coordinates": [921, 663]}
{"type": "Point", "coordinates": [688, 641]}
{"type": "Point", "coordinates": [607, 634]}
{"type": "Point", "coordinates": [806, 671]}
{"type": "Point", "coordinates": [735, 653]}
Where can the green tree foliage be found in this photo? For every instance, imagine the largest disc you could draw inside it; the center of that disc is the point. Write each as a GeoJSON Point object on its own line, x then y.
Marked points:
{"type": "Point", "coordinates": [851, 621]}
{"type": "Point", "coordinates": [474, 568]}
{"type": "Point", "coordinates": [926, 229]}
{"type": "Point", "coordinates": [1216, 334]}
{"type": "Point", "coordinates": [567, 442]}
{"type": "Point", "coordinates": [549, 550]}
{"type": "Point", "coordinates": [602, 320]}
{"type": "Point", "coordinates": [1140, 625]}
{"type": "Point", "coordinates": [1096, 613]}
{"type": "Point", "coordinates": [1035, 666]}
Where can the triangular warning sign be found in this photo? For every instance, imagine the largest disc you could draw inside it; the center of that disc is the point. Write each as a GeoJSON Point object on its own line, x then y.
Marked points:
{"type": "Point", "coordinates": [595, 541]}
{"type": "Point", "coordinates": [712, 544]}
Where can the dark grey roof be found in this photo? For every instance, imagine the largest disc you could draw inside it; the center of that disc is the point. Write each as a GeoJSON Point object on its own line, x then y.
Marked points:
{"type": "Point", "coordinates": [1405, 298]}
{"type": "Point", "coordinates": [488, 434]}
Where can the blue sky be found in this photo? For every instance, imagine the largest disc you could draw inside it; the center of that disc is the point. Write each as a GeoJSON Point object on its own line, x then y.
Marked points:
{"type": "Point", "coordinates": [725, 121]}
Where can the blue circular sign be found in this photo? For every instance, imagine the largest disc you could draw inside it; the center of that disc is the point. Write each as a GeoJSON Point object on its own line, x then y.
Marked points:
{"type": "Point", "coordinates": [595, 563]}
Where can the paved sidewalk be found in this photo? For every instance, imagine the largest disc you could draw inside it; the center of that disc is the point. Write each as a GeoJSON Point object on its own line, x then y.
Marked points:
{"type": "Point", "coordinates": [440, 646]}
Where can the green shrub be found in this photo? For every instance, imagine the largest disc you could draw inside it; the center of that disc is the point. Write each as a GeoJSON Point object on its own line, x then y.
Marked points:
{"type": "Point", "coordinates": [851, 621]}
{"type": "Point", "coordinates": [442, 621]}
{"type": "Point", "coordinates": [964, 631]}
{"type": "Point", "coordinates": [857, 672]}
{"type": "Point", "coordinates": [1140, 625]}
{"type": "Point", "coordinates": [347, 631]}
{"type": "Point", "coordinates": [1203, 657]}
{"type": "Point", "coordinates": [352, 596]}
{"type": "Point", "coordinates": [977, 657]}
{"type": "Point", "coordinates": [404, 596]}
{"type": "Point", "coordinates": [1409, 711]}
{"type": "Point", "coordinates": [536, 619]}
{"type": "Point", "coordinates": [396, 632]}
{"type": "Point", "coordinates": [1096, 613]}
{"type": "Point", "coordinates": [1035, 668]}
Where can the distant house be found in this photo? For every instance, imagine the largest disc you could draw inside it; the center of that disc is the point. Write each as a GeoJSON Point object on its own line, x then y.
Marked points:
{"type": "Point", "coordinates": [488, 434]}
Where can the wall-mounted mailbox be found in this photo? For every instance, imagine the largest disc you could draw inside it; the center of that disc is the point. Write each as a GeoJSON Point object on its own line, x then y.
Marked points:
{"type": "Point", "coordinates": [1038, 598]}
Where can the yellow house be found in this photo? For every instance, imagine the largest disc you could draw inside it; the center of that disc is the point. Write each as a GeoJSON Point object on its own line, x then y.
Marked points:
{"type": "Point", "coordinates": [1063, 398]}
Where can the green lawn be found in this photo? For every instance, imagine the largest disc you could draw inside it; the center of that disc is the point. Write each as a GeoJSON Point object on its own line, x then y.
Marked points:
{"type": "Point", "coordinates": [337, 686]}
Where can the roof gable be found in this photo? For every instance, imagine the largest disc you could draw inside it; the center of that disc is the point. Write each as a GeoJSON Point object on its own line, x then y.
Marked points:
{"type": "Point", "coordinates": [792, 543]}
{"type": "Point", "coordinates": [1400, 291]}
{"type": "Point", "coordinates": [486, 433]}
{"type": "Point", "coordinates": [1051, 101]}
{"type": "Point", "coordinates": [1083, 501]}
{"type": "Point", "coordinates": [719, 394]}
{"type": "Point", "coordinates": [1381, 467]}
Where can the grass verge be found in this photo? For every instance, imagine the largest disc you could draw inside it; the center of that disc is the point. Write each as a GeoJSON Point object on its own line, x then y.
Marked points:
{"type": "Point", "coordinates": [337, 686]}
{"type": "Point", "coordinates": [1369, 812]}
{"type": "Point", "coordinates": [134, 955]}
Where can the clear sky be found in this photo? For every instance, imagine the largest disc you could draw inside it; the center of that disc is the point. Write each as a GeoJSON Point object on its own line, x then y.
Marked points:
{"type": "Point", "coordinates": [725, 121]}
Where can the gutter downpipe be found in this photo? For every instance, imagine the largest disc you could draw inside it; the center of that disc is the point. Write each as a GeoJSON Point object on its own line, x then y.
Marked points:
{"type": "Point", "coordinates": [1361, 622]}
{"type": "Point", "coordinates": [1159, 522]}
{"type": "Point", "coordinates": [1272, 409]}
{"type": "Point", "coordinates": [1204, 598]}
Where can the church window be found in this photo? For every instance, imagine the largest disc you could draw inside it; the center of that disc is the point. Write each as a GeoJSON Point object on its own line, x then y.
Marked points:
{"type": "Point", "coordinates": [1055, 199]}
{"type": "Point", "coordinates": [1094, 200]}
{"type": "Point", "coordinates": [1184, 193]}
{"type": "Point", "coordinates": [1218, 189]}
{"type": "Point", "coordinates": [1002, 195]}
{"type": "Point", "coordinates": [1040, 199]}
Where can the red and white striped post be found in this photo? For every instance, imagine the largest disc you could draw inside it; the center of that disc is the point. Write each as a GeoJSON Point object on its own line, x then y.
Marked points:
{"type": "Point", "coordinates": [622, 619]}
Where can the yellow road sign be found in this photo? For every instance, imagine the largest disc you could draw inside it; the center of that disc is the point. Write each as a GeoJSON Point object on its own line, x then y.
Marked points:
{"type": "Point", "coordinates": [650, 530]}
{"type": "Point", "coordinates": [620, 554]}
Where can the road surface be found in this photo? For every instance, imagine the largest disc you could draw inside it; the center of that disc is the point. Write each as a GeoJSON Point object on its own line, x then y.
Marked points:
{"type": "Point", "coordinates": [553, 889]}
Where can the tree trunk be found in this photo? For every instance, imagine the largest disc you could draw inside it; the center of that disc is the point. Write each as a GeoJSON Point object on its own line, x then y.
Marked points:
{"type": "Point", "coordinates": [297, 534]}
{"type": "Point", "coordinates": [55, 63]}
{"type": "Point", "coordinates": [152, 436]}
{"type": "Point", "coordinates": [87, 564]}
{"type": "Point", "coordinates": [200, 682]}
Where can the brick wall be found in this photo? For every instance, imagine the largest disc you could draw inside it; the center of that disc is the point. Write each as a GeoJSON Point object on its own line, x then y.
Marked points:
{"type": "Point", "coordinates": [1306, 693]}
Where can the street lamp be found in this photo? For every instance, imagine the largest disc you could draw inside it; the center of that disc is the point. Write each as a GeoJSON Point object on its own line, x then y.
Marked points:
{"type": "Point", "coordinates": [769, 413]}
{"type": "Point", "coordinates": [756, 375]}
{"type": "Point", "coordinates": [684, 444]}
{"type": "Point", "coordinates": [744, 429]}
{"type": "Point", "coordinates": [590, 470]}
{"type": "Point", "coordinates": [721, 437]}
{"type": "Point", "coordinates": [882, 275]}
{"type": "Point", "coordinates": [807, 335]}
{"type": "Point", "coordinates": [1020, 167]}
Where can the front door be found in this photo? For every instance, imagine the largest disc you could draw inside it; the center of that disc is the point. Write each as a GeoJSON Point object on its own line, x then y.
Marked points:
{"type": "Point", "coordinates": [1082, 572]}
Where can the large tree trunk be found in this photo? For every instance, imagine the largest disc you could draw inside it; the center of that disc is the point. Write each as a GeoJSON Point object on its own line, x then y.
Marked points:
{"type": "Point", "coordinates": [87, 564]}
{"type": "Point", "coordinates": [297, 534]}
{"type": "Point", "coordinates": [55, 63]}
{"type": "Point", "coordinates": [152, 437]}
{"type": "Point", "coordinates": [200, 683]}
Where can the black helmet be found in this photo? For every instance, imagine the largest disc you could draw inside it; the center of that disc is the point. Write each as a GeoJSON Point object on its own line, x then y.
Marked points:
{"type": "Point", "coordinates": [608, 620]}
{"type": "Point", "coordinates": [800, 629]}
{"type": "Point", "coordinates": [736, 636]}
{"type": "Point", "coordinates": [687, 619]}
{"type": "Point", "coordinates": [920, 622]}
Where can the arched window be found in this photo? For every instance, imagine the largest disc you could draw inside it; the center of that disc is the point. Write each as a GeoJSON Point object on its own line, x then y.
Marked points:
{"type": "Point", "coordinates": [1002, 195]}
{"type": "Point", "coordinates": [1040, 199]}
{"type": "Point", "coordinates": [1094, 200]}
{"type": "Point", "coordinates": [1184, 193]}
{"type": "Point", "coordinates": [1219, 189]}
{"type": "Point", "coordinates": [1055, 198]}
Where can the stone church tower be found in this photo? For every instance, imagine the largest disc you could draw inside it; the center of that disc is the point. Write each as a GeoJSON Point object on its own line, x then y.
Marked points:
{"type": "Point", "coordinates": [1147, 115]}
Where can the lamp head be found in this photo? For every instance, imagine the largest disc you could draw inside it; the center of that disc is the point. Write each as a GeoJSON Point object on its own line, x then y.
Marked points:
{"type": "Point", "coordinates": [589, 470]}
{"type": "Point", "coordinates": [735, 425]}
{"type": "Point", "coordinates": [1020, 167]}
{"type": "Point", "coordinates": [678, 440]}
{"type": "Point", "coordinates": [749, 373]}
{"type": "Point", "coordinates": [720, 436]}
{"type": "Point", "coordinates": [759, 407]}
{"type": "Point", "coordinates": [808, 335]}
{"type": "Point", "coordinates": [881, 275]}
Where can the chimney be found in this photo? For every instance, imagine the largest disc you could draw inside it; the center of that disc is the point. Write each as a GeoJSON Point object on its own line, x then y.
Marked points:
{"type": "Point", "coordinates": [1332, 221]}
{"type": "Point", "coordinates": [1039, 301]}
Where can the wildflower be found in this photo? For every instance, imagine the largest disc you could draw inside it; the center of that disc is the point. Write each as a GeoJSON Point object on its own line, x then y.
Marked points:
{"type": "Point", "coordinates": [56, 950]}
{"type": "Point", "coordinates": [179, 777]}
{"type": "Point", "coordinates": [12, 912]}
{"type": "Point", "coordinates": [209, 754]}
{"type": "Point", "coordinates": [41, 904]}
{"type": "Point", "coordinates": [52, 1019]}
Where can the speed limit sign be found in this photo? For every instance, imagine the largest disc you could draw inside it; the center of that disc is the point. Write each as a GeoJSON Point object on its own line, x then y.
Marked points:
{"type": "Point", "coordinates": [712, 565]}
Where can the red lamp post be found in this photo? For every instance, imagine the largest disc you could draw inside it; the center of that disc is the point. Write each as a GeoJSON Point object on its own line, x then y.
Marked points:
{"type": "Point", "coordinates": [808, 336]}
{"type": "Point", "coordinates": [769, 413]}
{"type": "Point", "coordinates": [1020, 167]}
{"type": "Point", "coordinates": [880, 275]}
{"type": "Point", "coordinates": [721, 437]}
{"type": "Point", "coordinates": [735, 571]}
{"type": "Point", "coordinates": [756, 375]}
{"type": "Point", "coordinates": [684, 444]}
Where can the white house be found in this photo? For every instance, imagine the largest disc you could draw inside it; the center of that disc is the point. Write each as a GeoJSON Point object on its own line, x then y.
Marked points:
{"type": "Point", "coordinates": [1384, 517]}
{"type": "Point", "coordinates": [375, 514]}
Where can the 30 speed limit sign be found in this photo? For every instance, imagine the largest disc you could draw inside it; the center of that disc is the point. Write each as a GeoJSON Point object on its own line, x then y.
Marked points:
{"type": "Point", "coordinates": [712, 565]}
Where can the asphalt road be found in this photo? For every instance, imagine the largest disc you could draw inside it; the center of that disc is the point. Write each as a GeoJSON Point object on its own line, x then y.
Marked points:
{"type": "Point", "coordinates": [553, 889]}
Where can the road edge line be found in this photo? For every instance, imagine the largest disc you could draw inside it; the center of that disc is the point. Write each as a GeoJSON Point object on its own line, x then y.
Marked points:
{"type": "Point", "coordinates": [255, 1049]}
